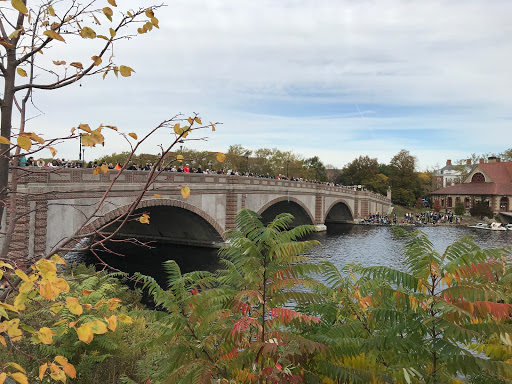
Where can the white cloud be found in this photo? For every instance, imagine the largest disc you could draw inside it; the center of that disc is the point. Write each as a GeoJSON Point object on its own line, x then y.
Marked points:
{"type": "Point", "coordinates": [438, 67]}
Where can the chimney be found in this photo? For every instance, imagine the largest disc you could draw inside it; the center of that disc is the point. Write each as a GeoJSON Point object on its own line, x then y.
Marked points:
{"type": "Point", "coordinates": [468, 161]}
{"type": "Point", "coordinates": [482, 161]}
{"type": "Point", "coordinates": [448, 162]}
{"type": "Point", "coordinates": [491, 159]}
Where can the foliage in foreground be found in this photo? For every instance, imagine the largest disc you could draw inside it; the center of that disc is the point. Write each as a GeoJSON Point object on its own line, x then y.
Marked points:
{"type": "Point", "coordinates": [263, 319]}
{"type": "Point", "coordinates": [57, 327]}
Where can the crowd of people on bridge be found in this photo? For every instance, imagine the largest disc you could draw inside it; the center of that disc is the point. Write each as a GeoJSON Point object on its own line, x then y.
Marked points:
{"type": "Point", "coordinates": [423, 218]}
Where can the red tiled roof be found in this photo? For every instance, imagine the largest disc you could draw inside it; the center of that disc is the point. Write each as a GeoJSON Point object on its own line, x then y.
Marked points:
{"type": "Point", "coordinates": [501, 175]}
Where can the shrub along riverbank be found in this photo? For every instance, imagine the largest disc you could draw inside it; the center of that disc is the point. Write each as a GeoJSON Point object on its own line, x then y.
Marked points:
{"type": "Point", "coordinates": [264, 319]}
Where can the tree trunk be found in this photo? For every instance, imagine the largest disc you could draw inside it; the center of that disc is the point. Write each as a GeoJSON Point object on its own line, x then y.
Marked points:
{"type": "Point", "coordinates": [5, 131]}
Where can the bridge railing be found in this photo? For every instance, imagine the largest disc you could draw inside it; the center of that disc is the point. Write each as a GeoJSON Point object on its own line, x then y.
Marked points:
{"type": "Point", "coordinates": [29, 175]}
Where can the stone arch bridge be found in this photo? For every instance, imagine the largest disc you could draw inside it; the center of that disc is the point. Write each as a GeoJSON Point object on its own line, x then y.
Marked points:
{"type": "Point", "coordinates": [54, 203]}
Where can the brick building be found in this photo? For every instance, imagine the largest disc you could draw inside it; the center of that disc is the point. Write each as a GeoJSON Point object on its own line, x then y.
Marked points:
{"type": "Point", "coordinates": [491, 181]}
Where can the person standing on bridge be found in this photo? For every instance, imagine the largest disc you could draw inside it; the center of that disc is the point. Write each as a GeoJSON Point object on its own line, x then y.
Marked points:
{"type": "Point", "coordinates": [186, 169]}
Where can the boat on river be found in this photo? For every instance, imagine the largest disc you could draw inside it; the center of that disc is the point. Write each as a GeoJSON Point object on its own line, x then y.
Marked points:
{"type": "Point", "coordinates": [492, 227]}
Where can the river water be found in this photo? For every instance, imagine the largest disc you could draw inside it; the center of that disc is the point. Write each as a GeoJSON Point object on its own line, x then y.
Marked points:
{"type": "Point", "coordinates": [342, 244]}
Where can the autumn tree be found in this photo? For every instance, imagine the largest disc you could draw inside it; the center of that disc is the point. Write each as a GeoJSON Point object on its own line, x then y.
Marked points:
{"type": "Point", "coordinates": [403, 179]}
{"type": "Point", "coordinates": [29, 29]}
{"type": "Point", "coordinates": [359, 171]}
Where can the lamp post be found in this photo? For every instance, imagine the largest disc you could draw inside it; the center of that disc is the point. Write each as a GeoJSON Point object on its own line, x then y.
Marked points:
{"type": "Point", "coordinates": [80, 148]}
{"type": "Point", "coordinates": [287, 163]}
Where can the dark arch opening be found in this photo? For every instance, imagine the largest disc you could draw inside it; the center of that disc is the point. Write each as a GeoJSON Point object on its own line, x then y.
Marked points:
{"type": "Point", "coordinates": [339, 214]}
{"type": "Point", "coordinates": [173, 233]}
{"type": "Point", "coordinates": [170, 225]}
{"type": "Point", "coordinates": [300, 216]}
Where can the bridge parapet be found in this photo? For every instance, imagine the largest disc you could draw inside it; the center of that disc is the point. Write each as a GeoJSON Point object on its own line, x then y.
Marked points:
{"type": "Point", "coordinates": [57, 200]}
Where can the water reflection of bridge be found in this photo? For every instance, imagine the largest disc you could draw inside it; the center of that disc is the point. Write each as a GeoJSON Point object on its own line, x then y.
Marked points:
{"type": "Point", "coordinates": [57, 202]}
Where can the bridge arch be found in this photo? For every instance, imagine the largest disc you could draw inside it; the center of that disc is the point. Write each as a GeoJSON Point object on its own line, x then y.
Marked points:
{"type": "Point", "coordinates": [301, 213]}
{"type": "Point", "coordinates": [339, 212]}
{"type": "Point", "coordinates": [158, 208]}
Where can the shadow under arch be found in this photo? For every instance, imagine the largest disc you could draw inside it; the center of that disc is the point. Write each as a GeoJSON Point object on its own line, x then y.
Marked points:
{"type": "Point", "coordinates": [300, 212]}
{"type": "Point", "coordinates": [170, 220]}
{"type": "Point", "coordinates": [339, 213]}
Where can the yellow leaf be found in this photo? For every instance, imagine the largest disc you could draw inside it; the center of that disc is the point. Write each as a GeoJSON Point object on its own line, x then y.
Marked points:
{"type": "Point", "coordinates": [177, 129]}
{"type": "Point", "coordinates": [88, 140]}
{"type": "Point", "coordinates": [111, 127]}
{"type": "Point", "coordinates": [108, 12]}
{"type": "Point", "coordinates": [18, 376]}
{"type": "Point", "coordinates": [157, 195]}
{"type": "Point", "coordinates": [3, 376]}
{"type": "Point", "coordinates": [190, 120]}
{"type": "Point", "coordinates": [19, 6]}
{"type": "Point", "coordinates": [96, 171]}
{"type": "Point", "coordinates": [149, 13]}
{"type": "Point", "coordinates": [97, 60]}
{"type": "Point", "coordinates": [2, 341]}
{"type": "Point", "coordinates": [133, 135]}
{"type": "Point", "coordinates": [73, 305]}
{"type": "Point", "coordinates": [104, 168]}
{"type": "Point", "coordinates": [3, 140]}
{"type": "Point", "coordinates": [58, 259]}
{"type": "Point", "coordinates": [59, 62]}
{"type": "Point", "coordinates": [125, 319]}
{"type": "Point", "coordinates": [51, 11]}
{"type": "Point", "coordinates": [61, 360]}
{"type": "Point", "coordinates": [55, 308]}
{"type": "Point", "coordinates": [69, 369]}
{"type": "Point", "coordinates": [112, 323]}
{"type": "Point", "coordinates": [97, 137]}
{"type": "Point", "coordinates": [53, 35]}
{"type": "Point", "coordinates": [112, 32]}
{"type": "Point", "coordinates": [45, 335]}
{"type": "Point", "coordinates": [24, 142]}
{"type": "Point", "coordinates": [129, 14]}
{"type": "Point", "coordinates": [185, 192]}
{"type": "Point", "coordinates": [125, 71]}
{"type": "Point", "coordinates": [213, 126]}
{"type": "Point", "coordinates": [86, 292]}
{"type": "Point", "coordinates": [85, 333]}
{"type": "Point", "coordinates": [73, 130]}
{"type": "Point", "coordinates": [21, 72]}
{"type": "Point", "coordinates": [96, 20]}
{"type": "Point", "coordinates": [154, 21]}
{"type": "Point", "coordinates": [14, 33]}
{"type": "Point", "coordinates": [198, 120]}
{"type": "Point", "coordinates": [53, 151]}
{"type": "Point", "coordinates": [26, 287]}
{"type": "Point", "coordinates": [72, 324]}
{"type": "Point", "coordinates": [42, 370]}
{"type": "Point", "coordinates": [112, 3]}
{"type": "Point", "coordinates": [77, 64]}
{"type": "Point", "coordinates": [22, 275]}
{"type": "Point", "coordinates": [36, 138]}
{"type": "Point", "coordinates": [61, 285]}
{"type": "Point", "coordinates": [102, 37]}
{"type": "Point", "coordinates": [87, 306]}
{"type": "Point", "coordinates": [85, 127]}
{"type": "Point", "coordinates": [144, 219]}
{"type": "Point", "coordinates": [221, 157]}
{"type": "Point", "coordinates": [113, 302]}
{"type": "Point", "coordinates": [17, 366]}
{"type": "Point", "coordinates": [87, 32]}
{"type": "Point", "coordinates": [99, 327]}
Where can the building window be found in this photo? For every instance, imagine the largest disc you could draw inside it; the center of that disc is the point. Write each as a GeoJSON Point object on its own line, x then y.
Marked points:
{"type": "Point", "coordinates": [442, 202]}
{"type": "Point", "coordinates": [457, 200]}
{"type": "Point", "coordinates": [449, 205]}
{"type": "Point", "coordinates": [467, 202]}
{"type": "Point", "coordinates": [504, 204]}
{"type": "Point", "coordinates": [478, 178]}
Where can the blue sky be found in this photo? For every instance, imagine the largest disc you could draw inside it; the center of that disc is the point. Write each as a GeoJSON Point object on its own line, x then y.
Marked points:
{"type": "Point", "coordinates": [332, 78]}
